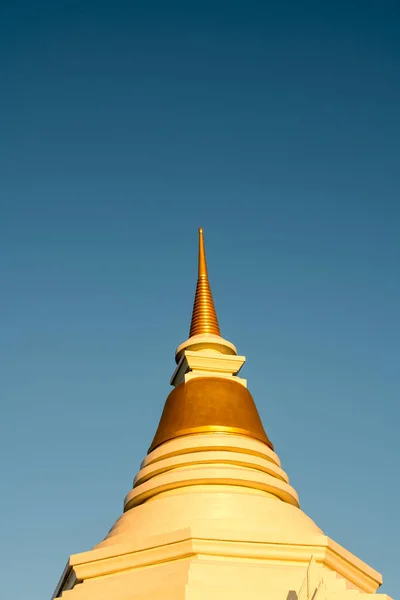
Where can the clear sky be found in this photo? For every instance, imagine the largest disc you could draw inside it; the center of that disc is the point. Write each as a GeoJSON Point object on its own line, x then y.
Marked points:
{"type": "Point", "coordinates": [124, 127]}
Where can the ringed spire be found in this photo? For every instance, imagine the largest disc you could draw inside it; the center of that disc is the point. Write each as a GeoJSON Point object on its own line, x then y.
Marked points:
{"type": "Point", "coordinates": [204, 316]}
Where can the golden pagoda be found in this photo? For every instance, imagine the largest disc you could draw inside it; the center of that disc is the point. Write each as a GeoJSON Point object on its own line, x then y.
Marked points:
{"type": "Point", "coordinates": [211, 513]}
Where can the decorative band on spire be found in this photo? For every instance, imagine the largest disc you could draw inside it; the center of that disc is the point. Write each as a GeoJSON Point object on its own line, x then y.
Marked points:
{"type": "Point", "coordinates": [204, 318]}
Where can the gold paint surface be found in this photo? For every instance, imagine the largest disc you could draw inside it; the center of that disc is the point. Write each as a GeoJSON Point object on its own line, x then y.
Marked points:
{"type": "Point", "coordinates": [204, 317]}
{"type": "Point", "coordinates": [209, 404]}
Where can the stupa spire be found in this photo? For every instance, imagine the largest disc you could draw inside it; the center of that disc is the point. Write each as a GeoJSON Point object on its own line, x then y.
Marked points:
{"type": "Point", "coordinates": [211, 513]}
{"type": "Point", "coordinates": [204, 317]}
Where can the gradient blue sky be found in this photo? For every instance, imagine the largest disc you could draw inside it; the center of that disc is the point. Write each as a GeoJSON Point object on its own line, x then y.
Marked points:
{"type": "Point", "coordinates": [126, 125]}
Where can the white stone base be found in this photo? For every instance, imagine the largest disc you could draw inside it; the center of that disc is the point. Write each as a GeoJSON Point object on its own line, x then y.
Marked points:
{"type": "Point", "coordinates": [213, 516]}
{"type": "Point", "coordinates": [184, 565]}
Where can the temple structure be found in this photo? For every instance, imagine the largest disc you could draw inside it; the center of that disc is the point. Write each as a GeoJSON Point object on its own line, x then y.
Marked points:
{"type": "Point", "coordinates": [211, 513]}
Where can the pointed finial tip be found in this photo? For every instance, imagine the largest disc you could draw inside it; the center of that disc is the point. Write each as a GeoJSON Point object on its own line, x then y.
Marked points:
{"type": "Point", "coordinates": [204, 317]}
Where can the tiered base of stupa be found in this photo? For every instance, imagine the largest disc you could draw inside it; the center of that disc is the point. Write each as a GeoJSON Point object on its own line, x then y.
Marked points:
{"type": "Point", "coordinates": [213, 516]}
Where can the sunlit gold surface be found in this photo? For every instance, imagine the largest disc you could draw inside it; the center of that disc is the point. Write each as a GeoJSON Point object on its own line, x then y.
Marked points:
{"type": "Point", "coordinates": [204, 318]}
{"type": "Point", "coordinates": [209, 404]}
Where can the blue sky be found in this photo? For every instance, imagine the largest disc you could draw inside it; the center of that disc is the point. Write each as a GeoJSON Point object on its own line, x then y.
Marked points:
{"type": "Point", "coordinates": [124, 127]}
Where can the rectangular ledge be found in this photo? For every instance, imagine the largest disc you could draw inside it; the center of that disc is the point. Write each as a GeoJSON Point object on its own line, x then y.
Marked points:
{"type": "Point", "coordinates": [223, 365]}
{"type": "Point", "coordinates": [185, 543]}
{"type": "Point", "coordinates": [193, 374]}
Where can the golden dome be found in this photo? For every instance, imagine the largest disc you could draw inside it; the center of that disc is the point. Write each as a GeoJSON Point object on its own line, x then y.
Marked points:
{"type": "Point", "coordinates": [209, 404]}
